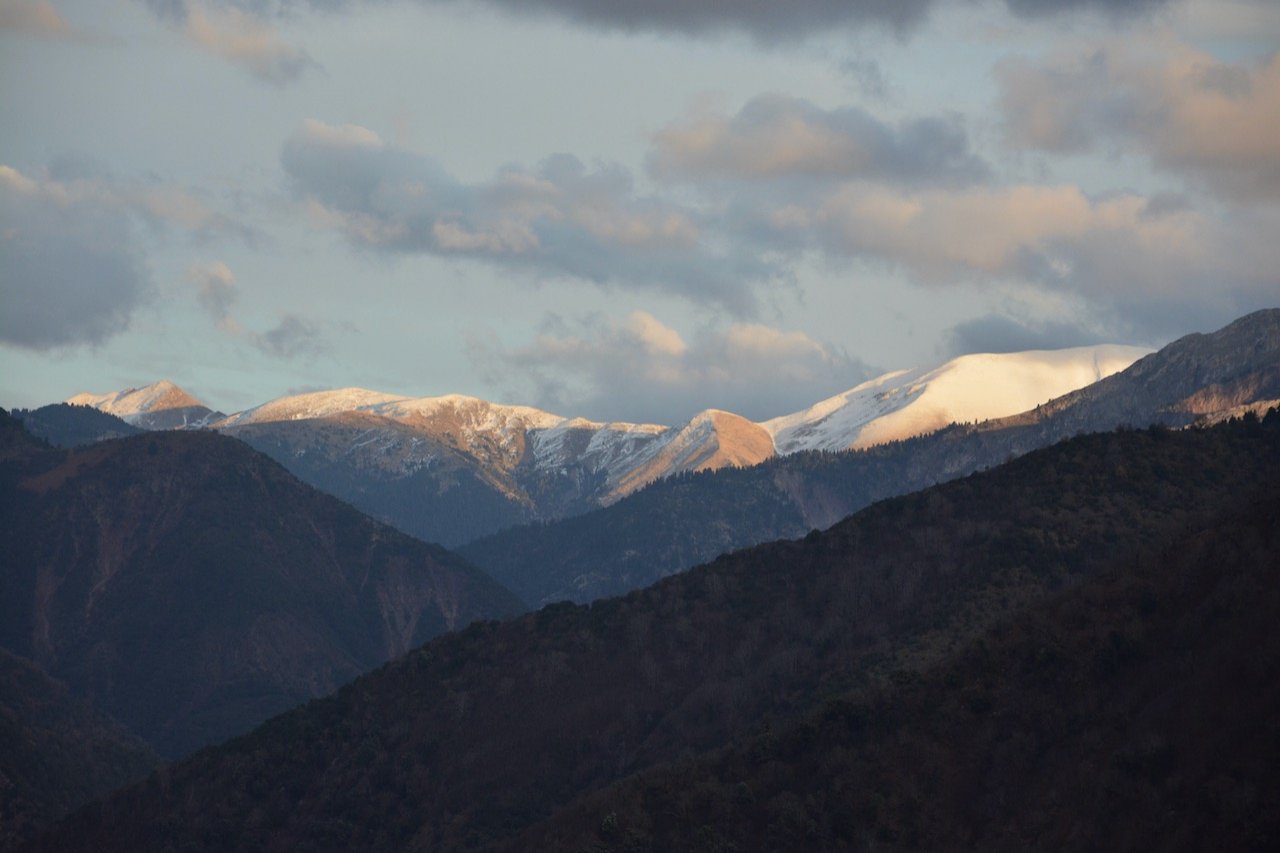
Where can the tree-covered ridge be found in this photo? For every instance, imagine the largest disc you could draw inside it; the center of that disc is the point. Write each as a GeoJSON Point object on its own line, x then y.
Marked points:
{"type": "Point", "coordinates": [192, 588]}
{"type": "Point", "coordinates": [485, 734]}
{"type": "Point", "coordinates": [56, 752]}
{"type": "Point", "coordinates": [65, 425]}
{"type": "Point", "coordinates": [1135, 710]}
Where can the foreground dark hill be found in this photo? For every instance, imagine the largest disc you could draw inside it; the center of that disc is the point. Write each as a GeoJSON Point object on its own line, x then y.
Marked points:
{"type": "Point", "coordinates": [1135, 711]}
{"type": "Point", "coordinates": [678, 523]}
{"type": "Point", "coordinates": [485, 734]}
{"type": "Point", "coordinates": [56, 752]}
{"type": "Point", "coordinates": [191, 588]}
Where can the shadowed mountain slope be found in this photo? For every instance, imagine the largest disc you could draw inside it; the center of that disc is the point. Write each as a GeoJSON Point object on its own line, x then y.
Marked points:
{"type": "Point", "coordinates": [56, 753]}
{"type": "Point", "coordinates": [191, 587]}
{"type": "Point", "coordinates": [1136, 711]}
{"type": "Point", "coordinates": [486, 733]}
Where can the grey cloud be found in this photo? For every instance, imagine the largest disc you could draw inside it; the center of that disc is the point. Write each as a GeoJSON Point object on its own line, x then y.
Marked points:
{"type": "Point", "coordinates": [292, 336]}
{"type": "Point", "coordinates": [34, 17]}
{"type": "Point", "coordinates": [1216, 123]}
{"type": "Point", "coordinates": [779, 136]}
{"type": "Point", "coordinates": [73, 272]}
{"type": "Point", "coordinates": [998, 333]}
{"type": "Point", "coordinates": [867, 76]}
{"type": "Point", "coordinates": [240, 32]}
{"type": "Point", "coordinates": [1114, 8]}
{"type": "Point", "coordinates": [1136, 257]}
{"type": "Point", "coordinates": [560, 219]}
{"type": "Point", "coordinates": [639, 369]}
{"type": "Point", "coordinates": [215, 291]}
{"type": "Point", "coordinates": [764, 20]}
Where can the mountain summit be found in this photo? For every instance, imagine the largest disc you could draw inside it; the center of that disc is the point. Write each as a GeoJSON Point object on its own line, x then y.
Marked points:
{"type": "Point", "coordinates": [976, 387]}
{"type": "Point", "coordinates": [160, 405]}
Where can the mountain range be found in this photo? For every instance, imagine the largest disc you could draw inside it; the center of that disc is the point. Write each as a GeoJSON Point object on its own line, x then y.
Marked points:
{"type": "Point", "coordinates": [451, 469]}
{"type": "Point", "coordinates": [168, 589]}
{"type": "Point", "coordinates": [1075, 648]}
{"type": "Point", "coordinates": [683, 521]}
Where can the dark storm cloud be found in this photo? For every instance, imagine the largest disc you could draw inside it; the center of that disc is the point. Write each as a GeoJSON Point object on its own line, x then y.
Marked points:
{"type": "Point", "coordinates": [780, 136]}
{"type": "Point", "coordinates": [71, 271]}
{"type": "Point", "coordinates": [560, 219]}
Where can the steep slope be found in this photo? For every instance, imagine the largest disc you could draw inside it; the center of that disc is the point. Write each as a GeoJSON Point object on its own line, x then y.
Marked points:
{"type": "Point", "coordinates": [393, 472]}
{"type": "Point", "coordinates": [65, 425]}
{"type": "Point", "coordinates": [191, 588]}
{"type": "Point", "coordinates": [56, 753]}
{"type": "Point", "coordinates": [710, 441]}
{"type": "Point", "coordinates": [977, 387]}
{"type": "Point", "coordinates": [160, 405]}
{"type": "Point", "coordinates": [677, 523]}
{"type": "Point", "coordinates": [1134, 712]}
{"type": "Point", "coordinates": [488, 732]}
{"type": "Point", "coordinates": [1194, 376]}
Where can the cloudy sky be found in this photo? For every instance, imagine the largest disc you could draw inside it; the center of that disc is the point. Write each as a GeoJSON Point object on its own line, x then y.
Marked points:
{"type": "Point", "coordinates": [623, 209]}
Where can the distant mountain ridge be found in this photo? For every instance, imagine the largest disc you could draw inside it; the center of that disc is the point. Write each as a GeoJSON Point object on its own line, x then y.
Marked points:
{"type": "Point", "coordinates": [454, 468]}
{"type": "Point", "coordinates": [679, 522]}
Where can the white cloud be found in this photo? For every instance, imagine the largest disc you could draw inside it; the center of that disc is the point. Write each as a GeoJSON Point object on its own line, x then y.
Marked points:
{"type": "Point", "coordinates": [638, 368]}
{"type": "Point", "coordinates": [1211, 121]}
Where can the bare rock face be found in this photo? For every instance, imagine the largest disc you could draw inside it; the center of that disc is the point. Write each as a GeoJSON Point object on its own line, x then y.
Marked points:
{"type": "Point", "coordinates": [191, 588]}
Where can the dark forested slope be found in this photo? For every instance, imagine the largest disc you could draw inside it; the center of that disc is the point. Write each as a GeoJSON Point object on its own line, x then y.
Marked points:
{"type": "Point", "coordinates": [65, 425]}
{"type": "Point", "coordinates": [191, 588]}
{"type": "Point", "coordinates": [56, 752]}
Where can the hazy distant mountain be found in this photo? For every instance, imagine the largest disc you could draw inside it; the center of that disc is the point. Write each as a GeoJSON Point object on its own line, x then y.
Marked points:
{"type": "Point", "coordinates": [454, 468]}
{"type": "Point", "coordinates": [678, 523]}
{"type": "Point", "coordinates": [1078, 645]}
{"type": "Point", "coordinates": [65, 425]}
{"type": "Point", "coordinates": [160, 405]}
{"type": "Point", "coordinates": [191, 588]}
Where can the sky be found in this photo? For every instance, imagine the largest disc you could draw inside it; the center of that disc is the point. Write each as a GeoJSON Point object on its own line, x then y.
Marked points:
{"type": "Point", "coordinates": [619, 209]}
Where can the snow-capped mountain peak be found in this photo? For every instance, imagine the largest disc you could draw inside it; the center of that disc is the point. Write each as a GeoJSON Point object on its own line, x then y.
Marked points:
{"type": "Point", "coordinates": [160, 405]}
{"type": "Point", "coordinates": [974, 387]}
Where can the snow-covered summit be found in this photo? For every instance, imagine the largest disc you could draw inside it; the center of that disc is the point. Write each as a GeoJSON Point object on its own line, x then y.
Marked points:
{"type": "Point", "coordinates": [160, 405]}
{"type": "Point", "coordinates": [974, 387]}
